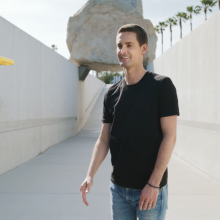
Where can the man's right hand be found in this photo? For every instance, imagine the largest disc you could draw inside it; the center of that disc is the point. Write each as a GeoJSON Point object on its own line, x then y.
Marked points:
{"type": "Point", "coordinates": [85, 188]}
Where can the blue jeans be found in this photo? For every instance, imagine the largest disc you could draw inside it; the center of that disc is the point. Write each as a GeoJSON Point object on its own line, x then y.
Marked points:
{"type": "Point", "coordinates": [125, 204]}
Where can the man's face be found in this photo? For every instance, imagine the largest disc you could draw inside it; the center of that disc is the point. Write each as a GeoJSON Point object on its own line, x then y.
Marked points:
{"type": "Point", "coordinates": [129, 52]}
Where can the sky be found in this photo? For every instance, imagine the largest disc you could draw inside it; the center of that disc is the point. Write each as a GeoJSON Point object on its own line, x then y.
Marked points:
{"type": "Point", "coordinates": [46, 20]}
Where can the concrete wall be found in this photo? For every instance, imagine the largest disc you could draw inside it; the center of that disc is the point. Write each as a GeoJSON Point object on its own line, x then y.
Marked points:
{"type": "Point", "coordinates": [193, 64]}
{"type": "Point", "coordinates": [90, 90]}
{"type": "Point", "coordinates": [42, 102]}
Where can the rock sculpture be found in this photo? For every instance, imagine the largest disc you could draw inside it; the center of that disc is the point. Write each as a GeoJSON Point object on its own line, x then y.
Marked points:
{"type": "Point", "coordinates": [91, 33]}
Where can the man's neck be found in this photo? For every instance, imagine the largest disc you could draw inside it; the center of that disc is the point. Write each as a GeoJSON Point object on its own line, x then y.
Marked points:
{"type": "Point", "coordinates": [132, 76]}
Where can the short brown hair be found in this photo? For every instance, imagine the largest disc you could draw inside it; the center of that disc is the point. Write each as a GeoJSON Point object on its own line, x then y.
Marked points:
{"type": "Point", "coordinates": [140, 32]}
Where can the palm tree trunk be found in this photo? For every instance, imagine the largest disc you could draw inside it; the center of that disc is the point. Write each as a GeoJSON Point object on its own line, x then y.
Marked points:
{"type": "Point", "coordinates": [162, 40]}
{"type": "Point", "coordinates": [191, 23]}
{"type": "Point", "coordinates": [170, 36]}
{"type": "Point", "coordinates": [180, 29]}
{"type": "Point", "coordinates": [219, 4]}
{"type": "Point", "coordinates": [205, 14]}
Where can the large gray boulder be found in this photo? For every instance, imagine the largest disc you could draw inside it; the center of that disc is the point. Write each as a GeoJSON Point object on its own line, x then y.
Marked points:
{"type": "Point", "coordinates": [91, 33]}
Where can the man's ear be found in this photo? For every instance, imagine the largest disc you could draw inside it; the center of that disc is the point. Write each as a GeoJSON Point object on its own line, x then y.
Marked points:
{"type": "Point", "coordinates": [144, 49]}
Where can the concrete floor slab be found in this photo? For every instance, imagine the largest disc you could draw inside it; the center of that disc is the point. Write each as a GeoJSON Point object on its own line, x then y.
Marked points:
{"type": "Point", "coordinates": [54, 206]}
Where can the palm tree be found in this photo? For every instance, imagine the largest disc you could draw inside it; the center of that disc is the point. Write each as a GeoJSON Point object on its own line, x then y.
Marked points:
{"type": "Point", "coordinates": [207, 5]}
{"type": "Point", "coordinates": [219, 4]}
{"type": "Point", "coordinates": [171, 22]}
{"type": "Point", "coordinates": [54, 47]}
{"type": "Point", "coordinates": [193, 10]}
{"type": "Point", "coordinates": [182, 17]}
{"type": "Point", "coordinates": [159, 29]}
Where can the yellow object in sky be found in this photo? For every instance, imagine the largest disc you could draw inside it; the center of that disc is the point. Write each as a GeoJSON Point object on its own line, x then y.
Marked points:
{"type": "Point", "coordinates": [6, 61]}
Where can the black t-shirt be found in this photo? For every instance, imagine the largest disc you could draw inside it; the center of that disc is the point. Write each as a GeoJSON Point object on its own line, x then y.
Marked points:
{"type": "Point", "coordinates": [135, 135]}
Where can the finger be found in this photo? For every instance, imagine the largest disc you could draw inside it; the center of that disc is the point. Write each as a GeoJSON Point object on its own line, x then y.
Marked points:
{"type": "Point", "coordinates": [153, 204]}
{"type": "Point", "coordinates": [84, 194]}
{"type": "Point", "coordinates": [141, 202]}
{"type": "Point", "coordinates": [149, 205]}
{"type": "Point", "coordinates": [87, 189]}
{"type": "Point", "coordinates": [146, 204]}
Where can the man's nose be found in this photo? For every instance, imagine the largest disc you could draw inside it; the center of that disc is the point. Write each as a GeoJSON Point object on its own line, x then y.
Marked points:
{"type": "Point", "coordinates": [123, 50]}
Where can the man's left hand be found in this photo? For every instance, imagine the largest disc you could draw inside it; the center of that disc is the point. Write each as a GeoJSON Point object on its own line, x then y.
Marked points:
{"type": "Point", "coordinates": [148, 197]}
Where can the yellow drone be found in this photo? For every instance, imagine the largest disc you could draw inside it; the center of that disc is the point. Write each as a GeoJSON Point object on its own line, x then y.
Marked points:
{"type": "Point", "coordinates": [6, 61]}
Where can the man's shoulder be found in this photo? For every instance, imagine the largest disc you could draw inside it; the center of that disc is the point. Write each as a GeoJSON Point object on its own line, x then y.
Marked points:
{"type": "Point", "coordinates": [162, 82]}
{"type": "Point", "coordinates": [157, 77]}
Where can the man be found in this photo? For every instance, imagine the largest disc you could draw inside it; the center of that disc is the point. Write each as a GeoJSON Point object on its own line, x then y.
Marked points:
{"type": "Point", "coordinates": [139, 127]}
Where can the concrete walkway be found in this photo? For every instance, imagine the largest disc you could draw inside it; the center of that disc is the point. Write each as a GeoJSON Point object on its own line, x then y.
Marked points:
{"type": "Point", "coordinates": [47, 187]}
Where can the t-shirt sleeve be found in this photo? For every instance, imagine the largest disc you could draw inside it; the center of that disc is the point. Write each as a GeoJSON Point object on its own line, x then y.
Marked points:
{"type": "Point", "coordinates": [168, 100]}
{"type": "Point", "coordinates": [106, 116]}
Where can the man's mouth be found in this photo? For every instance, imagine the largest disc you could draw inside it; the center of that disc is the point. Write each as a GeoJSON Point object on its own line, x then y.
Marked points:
{"type": "Point", "coordinates": [124, 58]}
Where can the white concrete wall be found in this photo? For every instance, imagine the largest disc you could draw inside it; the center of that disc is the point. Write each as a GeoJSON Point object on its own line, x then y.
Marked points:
{"type": "Point", "coordinates": [193, 64]}
{"type": "Point", "coordinates": [42, 102]}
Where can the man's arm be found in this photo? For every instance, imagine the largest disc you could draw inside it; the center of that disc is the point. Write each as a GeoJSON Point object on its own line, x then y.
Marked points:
{"type": "Point", "coordinates": [168, 125]}
{"type": "Point", "coordinates": [100, 151]}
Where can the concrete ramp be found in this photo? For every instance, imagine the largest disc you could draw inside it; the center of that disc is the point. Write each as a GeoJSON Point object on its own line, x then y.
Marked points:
{"type": "Point", "coordinates": [93, 125]}
{"type": "Point", "coordinates": [47, 187]}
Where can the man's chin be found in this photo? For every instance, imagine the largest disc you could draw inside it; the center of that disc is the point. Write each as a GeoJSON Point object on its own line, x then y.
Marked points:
{"type": "Point", "coordinates": [125, 65]}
